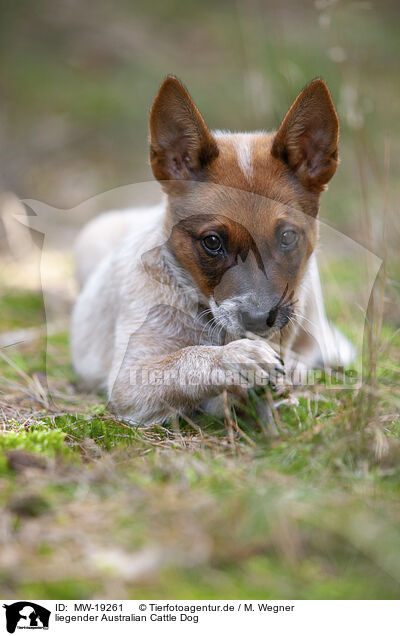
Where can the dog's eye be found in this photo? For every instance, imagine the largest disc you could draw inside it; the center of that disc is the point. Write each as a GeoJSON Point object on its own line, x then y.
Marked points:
{"type": "Point", "coordinates": [212, 243]}
{"type": "Point", "coordinates": [289, 238]}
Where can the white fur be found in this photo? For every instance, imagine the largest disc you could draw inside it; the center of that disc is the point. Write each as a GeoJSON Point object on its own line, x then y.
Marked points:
{"type": "Point", "coordinates": [243, 145]}
{"type": "Point", "coordinates": [99, 236]}
{"type": "Point", "coordinates": [334, 348]}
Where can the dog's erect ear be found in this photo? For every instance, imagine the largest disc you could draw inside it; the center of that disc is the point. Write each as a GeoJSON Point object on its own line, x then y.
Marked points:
{"type": "Point", "coordinates": [308, 137]}
{"type": "Point", "coordinates": [181, 146]}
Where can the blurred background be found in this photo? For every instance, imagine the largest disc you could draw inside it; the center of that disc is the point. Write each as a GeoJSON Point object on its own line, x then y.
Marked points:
{"type": "Point", "coordinates": [77, 80]}
{"type": "Point", "coordinates": [76, 83]}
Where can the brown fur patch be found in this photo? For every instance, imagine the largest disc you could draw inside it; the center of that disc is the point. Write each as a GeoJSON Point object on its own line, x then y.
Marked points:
{"type": "Point", "coordinates": [251, 258]}
{"type": "Point", "coordinates": [181, 146]}
{"type": "Point", "coordinates": [271, 177]}
{"type": "Point", "coordinates": [307, 140]}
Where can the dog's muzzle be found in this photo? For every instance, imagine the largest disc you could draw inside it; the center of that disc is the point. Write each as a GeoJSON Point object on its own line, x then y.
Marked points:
{"type": "Point", "coordinates": [260, 321]}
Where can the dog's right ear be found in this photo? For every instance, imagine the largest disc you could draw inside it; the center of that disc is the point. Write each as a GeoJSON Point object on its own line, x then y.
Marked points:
{"type": "Point", "coordinates": [181, 146]}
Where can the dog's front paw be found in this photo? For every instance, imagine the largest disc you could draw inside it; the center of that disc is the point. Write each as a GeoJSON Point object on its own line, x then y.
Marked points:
{"type": "Point", "coordinates": [254, 361]}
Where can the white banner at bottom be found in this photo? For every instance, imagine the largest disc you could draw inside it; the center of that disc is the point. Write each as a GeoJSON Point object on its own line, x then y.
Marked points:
{"type": "Point", "coordinates": [200, 617]}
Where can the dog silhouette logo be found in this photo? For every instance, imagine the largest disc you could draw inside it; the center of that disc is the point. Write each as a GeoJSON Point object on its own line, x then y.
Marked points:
{"type": "Point", "coordinates": [26, 615]}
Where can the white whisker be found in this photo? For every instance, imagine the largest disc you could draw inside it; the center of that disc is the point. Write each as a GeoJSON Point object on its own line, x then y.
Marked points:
{"type": "Point", "coordinates": [304, 318]}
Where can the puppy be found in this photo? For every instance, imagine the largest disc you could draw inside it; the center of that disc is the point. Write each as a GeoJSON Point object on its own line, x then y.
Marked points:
{"type": "Point", "coordinates": [198, 294]}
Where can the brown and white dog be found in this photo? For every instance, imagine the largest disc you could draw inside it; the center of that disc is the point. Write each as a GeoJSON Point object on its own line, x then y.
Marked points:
{"type": "Point", "coordinates": [217, 276]}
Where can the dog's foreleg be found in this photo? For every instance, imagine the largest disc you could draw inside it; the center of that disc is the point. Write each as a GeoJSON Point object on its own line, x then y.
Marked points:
{"type": "Point", "coordinates": [149, 391]}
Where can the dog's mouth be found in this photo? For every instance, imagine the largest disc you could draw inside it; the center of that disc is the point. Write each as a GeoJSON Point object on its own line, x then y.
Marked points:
{"type": "Point", "coordinates": [229, 319]}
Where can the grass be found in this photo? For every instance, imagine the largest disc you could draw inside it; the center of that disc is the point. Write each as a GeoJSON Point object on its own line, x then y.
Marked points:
{"type": "Point", "coordinates": [304, 506]}
{"type": "Point", "coordinates": [302, 502]}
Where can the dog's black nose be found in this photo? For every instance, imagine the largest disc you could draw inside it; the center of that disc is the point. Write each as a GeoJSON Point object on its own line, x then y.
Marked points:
{"type": "Point", "coordinates": [272, 317]}
{"type": "Point", "coordinates": [259, 321]}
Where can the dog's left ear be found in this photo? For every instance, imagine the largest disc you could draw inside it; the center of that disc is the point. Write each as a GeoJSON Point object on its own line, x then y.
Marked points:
{"type": "Point", "coordinates": [307, 140]}
{"type": "Point", "coordinates": [181, 146]}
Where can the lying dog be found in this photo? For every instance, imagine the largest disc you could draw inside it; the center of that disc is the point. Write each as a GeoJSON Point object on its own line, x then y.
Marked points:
{"type": "Point", "coordinates": [221, 275]}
